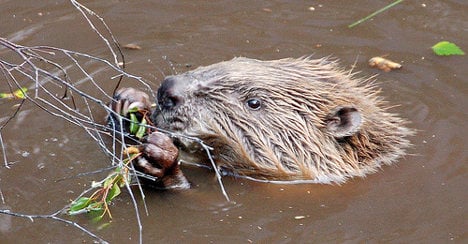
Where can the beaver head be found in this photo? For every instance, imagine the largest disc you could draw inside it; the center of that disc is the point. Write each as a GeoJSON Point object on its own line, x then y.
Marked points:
{"type": "Point", "coordinates": [288, 119]}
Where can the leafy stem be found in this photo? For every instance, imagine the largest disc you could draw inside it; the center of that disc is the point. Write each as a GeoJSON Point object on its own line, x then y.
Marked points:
{"type": "Point", "coordinates": [109, 188]}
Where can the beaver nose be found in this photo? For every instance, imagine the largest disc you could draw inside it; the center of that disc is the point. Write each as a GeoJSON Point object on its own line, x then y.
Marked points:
{"type": "Point", "coordinates": [168, 94]}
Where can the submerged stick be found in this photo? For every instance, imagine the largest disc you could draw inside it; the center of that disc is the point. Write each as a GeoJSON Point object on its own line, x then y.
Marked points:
{"type": "Point", "coordinates": [374, 13]}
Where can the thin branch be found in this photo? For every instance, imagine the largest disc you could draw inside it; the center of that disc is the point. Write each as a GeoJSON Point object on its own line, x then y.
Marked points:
{"type": "Point", "coordinates": [53, 217]}
{"type": "Point", "coordinates": [44, 69]}
{"type": "Point", "coordinates": [5, 159]}
{"type": "Point", "coordinates": [2, 197]}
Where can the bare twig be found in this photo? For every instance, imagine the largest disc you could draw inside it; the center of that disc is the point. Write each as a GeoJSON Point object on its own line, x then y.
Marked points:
{"type": "Point", "coordinates": [1, 196]}
{"type": "Point", "coordinates": [5, 160]}
{"type": "Point", "coordinates": [55, 217]}
{"type": "Point", "coordinates": [45, 70]}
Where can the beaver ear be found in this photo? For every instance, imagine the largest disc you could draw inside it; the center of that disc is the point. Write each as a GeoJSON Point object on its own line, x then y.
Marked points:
{"type": "Point", "coordinates": [343, 121]}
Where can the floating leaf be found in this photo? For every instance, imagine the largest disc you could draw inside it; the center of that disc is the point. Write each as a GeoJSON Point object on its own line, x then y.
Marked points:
{"type": "Point", "coordinates": [445, 48]}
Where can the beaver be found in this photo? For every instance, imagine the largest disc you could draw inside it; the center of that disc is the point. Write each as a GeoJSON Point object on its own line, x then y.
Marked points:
{"type": "Point", "coordinates": [283, 120]}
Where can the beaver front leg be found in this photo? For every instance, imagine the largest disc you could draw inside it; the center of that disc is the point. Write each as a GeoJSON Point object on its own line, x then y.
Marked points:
{"type": "Point", "coordinates": [159, 159]}
{"type": "Point", "coordinates": [158, 153]}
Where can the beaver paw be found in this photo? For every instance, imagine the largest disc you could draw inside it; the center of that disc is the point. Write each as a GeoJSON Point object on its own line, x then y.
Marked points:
{"type": "Point", "coordinates": [159, 159]}
{"type": "Point", "coordinates": [126, 99]}
{"type": "Point", "coordinates": [125, 102]}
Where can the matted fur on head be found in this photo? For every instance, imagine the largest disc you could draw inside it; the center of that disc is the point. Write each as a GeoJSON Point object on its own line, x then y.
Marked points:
{"type": "Point", "coordinates": [287, 119]}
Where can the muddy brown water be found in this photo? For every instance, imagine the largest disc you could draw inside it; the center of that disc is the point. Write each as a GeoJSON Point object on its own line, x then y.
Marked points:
{"type": "Point", "coordinates": [420, 199]}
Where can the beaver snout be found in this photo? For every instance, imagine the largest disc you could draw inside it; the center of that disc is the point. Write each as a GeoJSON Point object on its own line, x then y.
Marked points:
{"type": "Point", "coordinates": [169, 95]}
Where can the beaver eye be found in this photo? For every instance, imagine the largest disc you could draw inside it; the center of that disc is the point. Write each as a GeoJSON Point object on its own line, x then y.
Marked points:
{"type": "Point", "coordinates": [254, 103]}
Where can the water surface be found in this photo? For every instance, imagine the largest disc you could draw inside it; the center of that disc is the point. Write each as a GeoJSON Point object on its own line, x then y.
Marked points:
{"type": "Point", "coordinates": [420, 199]}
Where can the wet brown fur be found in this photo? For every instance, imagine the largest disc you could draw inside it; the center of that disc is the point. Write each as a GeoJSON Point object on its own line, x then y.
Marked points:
{"type": "Point", "coordinates": [293, 136]}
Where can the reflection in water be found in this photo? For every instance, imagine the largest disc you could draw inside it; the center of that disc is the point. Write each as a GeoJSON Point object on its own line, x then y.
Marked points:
{"type": "Point", "coordinates": [422, 198]}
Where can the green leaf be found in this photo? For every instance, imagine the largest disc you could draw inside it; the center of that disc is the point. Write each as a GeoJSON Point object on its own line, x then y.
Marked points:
{"type": "Point", "coordinates": [117, 169]}
{"type": "Point", "coordinates": [445, 48]}
{"type": "Point", "coordinates": [97, 218]}
{"type": "Point", "coordinates": [113, 192]}
{"type": "Point", "coordinates": [141, 131]}
{"type": "Point", "coordinates": [118, 179]}
{"type": "Point", "coordinates": [96, 214]}
{"type": "Point", "coordinates": [79, 204]}
{"type": "Point", "coordinates": [96, 206]}
{"type": "Point", "coordinates": [20, 93]}
{"type": "Point", "coordinates": [109, 180]}
{"type": "Point", "coordinates": [133, 124]}
{"type": "Point", "coordinates": [133, 110]}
